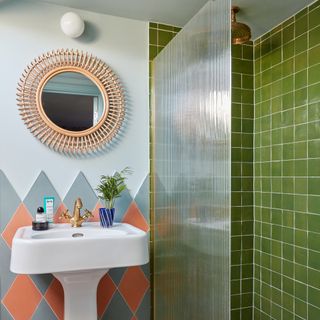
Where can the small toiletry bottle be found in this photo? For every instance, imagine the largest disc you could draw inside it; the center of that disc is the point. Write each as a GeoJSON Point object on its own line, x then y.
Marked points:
{"type": "Point", "coordinates": [48, 208]}
{"type": "Point", "coordinates": [40, 215]}
{"type": "Point", "coordinates": [40, 223]}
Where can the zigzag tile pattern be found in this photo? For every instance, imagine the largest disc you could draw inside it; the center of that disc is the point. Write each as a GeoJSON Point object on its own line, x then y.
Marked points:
{"type": "Point", "coordinates": [123, 293]}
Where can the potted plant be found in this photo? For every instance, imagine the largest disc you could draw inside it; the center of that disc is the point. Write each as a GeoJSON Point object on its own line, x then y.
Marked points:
{"type": "Point", "coordinates": [109, 189]}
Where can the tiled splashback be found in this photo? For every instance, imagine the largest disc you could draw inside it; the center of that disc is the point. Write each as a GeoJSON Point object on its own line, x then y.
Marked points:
{"type": "Point", "coordinates": [287, 169]}
{"type": "Point", "coordinates": [122, 294]}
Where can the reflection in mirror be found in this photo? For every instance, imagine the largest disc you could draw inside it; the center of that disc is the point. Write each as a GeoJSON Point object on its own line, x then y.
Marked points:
{"type": "Point", "coordinates": [72, 101]}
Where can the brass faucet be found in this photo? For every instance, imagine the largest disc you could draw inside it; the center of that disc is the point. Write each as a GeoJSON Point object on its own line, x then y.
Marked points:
{"type": "Point", "coordinates": [76, 220]}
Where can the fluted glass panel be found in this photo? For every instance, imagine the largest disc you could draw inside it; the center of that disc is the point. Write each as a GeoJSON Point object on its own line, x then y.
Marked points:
{"type": "Point", "coordinates": [191, 166]}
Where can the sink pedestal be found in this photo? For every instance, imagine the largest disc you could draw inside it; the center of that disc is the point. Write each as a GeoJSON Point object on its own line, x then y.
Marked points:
{"type": "Point", "coordinates": [80, 293]}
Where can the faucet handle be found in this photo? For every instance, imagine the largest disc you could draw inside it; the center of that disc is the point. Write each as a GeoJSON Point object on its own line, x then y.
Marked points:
{"type": "Point", "coordinates": [87, 214]}
{"type": "Point", "coordinates": [65, 215]}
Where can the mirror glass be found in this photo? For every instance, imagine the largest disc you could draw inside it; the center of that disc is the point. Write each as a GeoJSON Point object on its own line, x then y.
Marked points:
{"type": "Point", "coordinates": [72, 101]}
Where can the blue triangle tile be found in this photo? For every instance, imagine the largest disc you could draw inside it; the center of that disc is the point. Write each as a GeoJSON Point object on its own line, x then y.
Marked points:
{"type": "Point", "coordinates": [41, 188]}
{"type": "Point", "coordinates": [144, 310]}
{"type": "Point", "coordinates": [81, 189]}
{"type": "Point", "coordinates": [116, 274]}
{"type": "Point", "coordinates": [4, 314]}
{"type": "Point", "coordinates": [117, 309]}
{"type": "Point", "coordinates": [44, 312]}
{"type": "Point", "coordinates": [142, 198]}
{"type": "Point", "coordinates": [9, 201]}
{"type": "Point", "coordinates": [42, 281]}
{"type": "Point", "coordinates": [7, 277]}
{"type": "Point", "coordinates": [122, 204]}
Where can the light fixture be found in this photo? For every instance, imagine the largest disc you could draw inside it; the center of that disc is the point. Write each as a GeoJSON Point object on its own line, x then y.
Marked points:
{"type": "Point", "coordinates": [72, 25]}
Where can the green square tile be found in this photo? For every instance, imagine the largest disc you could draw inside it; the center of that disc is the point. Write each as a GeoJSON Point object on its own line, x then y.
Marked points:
{"type": "Point", "coordinates": [287, 84]}
{"type": "Point", "coordinates": [301, 25]}
{"type": "Point", "coordinates": [314, 241]}
{"type": "Point", "coordinates": [301, 97]}
{"type": "Point", "coordinates": [314, 74]}
{"type": "Point", "coordinates": [314, 37]}
{"type": "Point", "coordinates": [153, 37]}
{"type": "Point", "coordinates": [288, 33]}
{"type": "Point", "coordinates": [314, 149]}
{"type": "Point", "coordinates": [314, 130]}
{"type": "Point", "coordinates": [288, 50]}
{"type": "Point", "coordinates": [301, 61]}
{"type": "Point", "coordinates": [314, 55]}
{"type": "Point", "coordinates": [301, 255]}
{"type": "Point", "coordinates": [236, 51]}
{"type": "Point", "coordinates": [236, 80]}
{"type": "Point", "coordinates": [300, 149]}
{"type": "Point", "coordinates": [301, 238]}
{"type": "Point", "coordinates": [314, 278]}
{"type": "Point", "coordinates": [164, 37]}
{"type": "Point", "coordinates": [301, 185]}
{"type": "Point", "coordinates": [314, 111]}
{"type": "Point", "coordinates": [314, 167]}
{"type": "Point", "coordinates": [247, 52]}
{"type": "Point", "coordinates": [301, 115]}
{"type": "Point", "coordinates": [301, 79]}
{"type": "Point", "coordinates": [313, 222]}
{"type": "Point", "coordinates": [301, 44]}
{"type": "Point", "coordinates": [314, 296]}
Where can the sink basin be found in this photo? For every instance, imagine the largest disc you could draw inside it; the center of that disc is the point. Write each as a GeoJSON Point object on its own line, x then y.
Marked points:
{"type": "Point", "coordinates": [78, 258]}
{"type": "Point", "coordinates": [63, 249]}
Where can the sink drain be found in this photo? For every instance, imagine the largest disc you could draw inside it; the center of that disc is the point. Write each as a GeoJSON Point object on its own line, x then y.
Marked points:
{"type": "Point", "coordinates": [77, 235]}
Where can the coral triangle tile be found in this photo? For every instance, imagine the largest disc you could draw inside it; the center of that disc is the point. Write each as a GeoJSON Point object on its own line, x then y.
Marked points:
{"type": "Point", "coordinates": [21, 218]}
{"type": "Point", "coordinates": [95, 213]}
{"type": "Point", "coordinates": [134, 217]}
{"type": "Point", "coordinates": [22, 299]}
{"type": "Point", "coordinates": [55, 298]}
{"type": "Point", "coordinates": [106, 290]}
{"type": "Point", "coordinates": [133, 287]}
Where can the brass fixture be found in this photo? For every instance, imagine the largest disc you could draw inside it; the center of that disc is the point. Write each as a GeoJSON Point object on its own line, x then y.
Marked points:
{"type": "Point", "coordinates": [240, 32]}
{"type": "Point", "coordinates": [76, 220]}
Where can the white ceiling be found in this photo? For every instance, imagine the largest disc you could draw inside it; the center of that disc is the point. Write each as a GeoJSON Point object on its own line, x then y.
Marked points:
{"type": "Point", "coordinates": [260, 15]}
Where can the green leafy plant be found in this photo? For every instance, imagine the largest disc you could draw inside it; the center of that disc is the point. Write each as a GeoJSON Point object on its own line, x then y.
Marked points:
{"type": "Point", "coordinates": [111, 187]}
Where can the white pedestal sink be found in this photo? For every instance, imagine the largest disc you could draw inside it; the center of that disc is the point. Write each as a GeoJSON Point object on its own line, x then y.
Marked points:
{"type": "Point", "coordinates": [78, 258]}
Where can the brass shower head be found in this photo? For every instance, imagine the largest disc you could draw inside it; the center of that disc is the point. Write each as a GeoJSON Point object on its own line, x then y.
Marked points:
{"type": "Point", "coordinates": [240, 32]}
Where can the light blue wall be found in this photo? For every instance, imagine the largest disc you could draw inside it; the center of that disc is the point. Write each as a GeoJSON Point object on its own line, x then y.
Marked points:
{"type": "Point", "coordinates": [29, 29]}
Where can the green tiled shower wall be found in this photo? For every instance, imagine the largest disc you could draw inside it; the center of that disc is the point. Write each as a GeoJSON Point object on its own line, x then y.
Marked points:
{"type": "Point", "coordinates": [287, 170]}
{"type": "Point", "coordinates": [242, 183]}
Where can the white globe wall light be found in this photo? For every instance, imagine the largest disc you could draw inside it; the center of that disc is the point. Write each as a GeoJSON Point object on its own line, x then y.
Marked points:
{"type": "Point", "coordinates": [72, 25]}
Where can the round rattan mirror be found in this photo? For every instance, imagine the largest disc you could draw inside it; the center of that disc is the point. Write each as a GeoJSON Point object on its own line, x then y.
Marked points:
{"type": "Point", "coordinates": [71, 101]}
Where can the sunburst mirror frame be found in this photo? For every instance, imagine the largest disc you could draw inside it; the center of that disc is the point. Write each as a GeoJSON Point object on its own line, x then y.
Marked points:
{"type": "Point", "coordinates": [29, 92]}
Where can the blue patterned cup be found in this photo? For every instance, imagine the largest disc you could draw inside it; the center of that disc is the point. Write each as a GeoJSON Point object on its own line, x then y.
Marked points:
{"type": "Point", "coordinates": [106, 217]}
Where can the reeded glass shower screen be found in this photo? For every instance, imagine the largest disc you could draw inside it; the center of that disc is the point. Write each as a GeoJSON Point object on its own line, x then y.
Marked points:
{"type": "Point", "coordinates": [191, 169]}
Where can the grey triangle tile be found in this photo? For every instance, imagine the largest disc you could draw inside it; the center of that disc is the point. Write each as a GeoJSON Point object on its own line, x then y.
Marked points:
{"type": "Point", "coordinates": [6, 276]}
{"type": "Point", "coordinates": [146, 270]}
{"type": "Point", "coordinates": [144, 310]}
{"type": "Point", "coordinates": [117, 309]}
{"type": "Point", "coordinates": [4, 314]}
{"type": "Point", "coordinates": [116, 274]}
{"type": "Point", "coordinates": [122, 204]}
{"type": "Point", "coordinates": [41, 188]}
{"type": "Point", "coordinates": [81, 189]}
{"type": "Point", "coordinates": [142, 198]}
{"type": "Point", "coordinates": [44, 312]}
{"type": "Point", "coordinates": [42, 281]}
{"type": "Point", "coordinates": [9, 201]}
